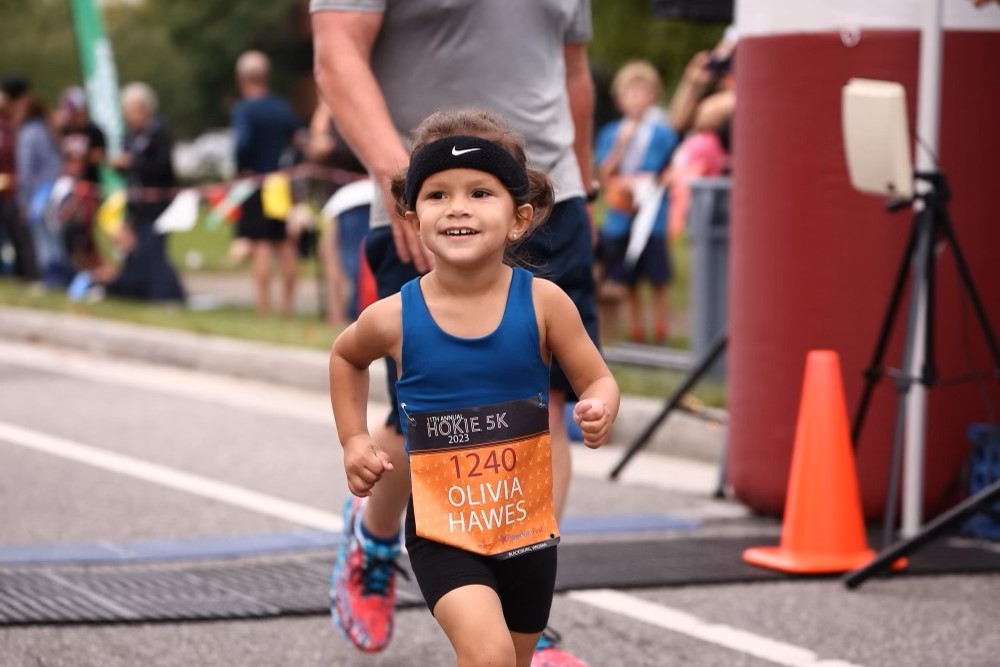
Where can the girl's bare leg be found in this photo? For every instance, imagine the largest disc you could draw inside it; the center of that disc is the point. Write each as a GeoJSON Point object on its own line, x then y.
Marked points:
{"type": "Point", "coordinates": [472, 618]}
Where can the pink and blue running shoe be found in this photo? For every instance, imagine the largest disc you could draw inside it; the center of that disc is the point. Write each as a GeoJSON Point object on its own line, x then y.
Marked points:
{"type": "Point", "coordinates": [363, 585]}
{"type": "Point", "coordinates": [548, 654]}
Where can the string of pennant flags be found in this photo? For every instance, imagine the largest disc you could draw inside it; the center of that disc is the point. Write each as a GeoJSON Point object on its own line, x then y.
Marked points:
{"type": "Point", "coordinates": [223, 197]}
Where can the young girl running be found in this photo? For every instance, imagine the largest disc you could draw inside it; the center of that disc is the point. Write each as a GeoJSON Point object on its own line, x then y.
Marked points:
{"type": "Point", "coordinates": [473, 340]}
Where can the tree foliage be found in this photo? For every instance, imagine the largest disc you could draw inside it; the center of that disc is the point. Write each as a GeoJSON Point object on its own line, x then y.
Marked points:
{"type": "Point", "coordinates": [36, 40]}
{"type": "Point", "coordinates": [186, 49]}
{"type": "Point", "coordinates": [626, 30]}
{"type": "Point", "coordinates": [212, 34]}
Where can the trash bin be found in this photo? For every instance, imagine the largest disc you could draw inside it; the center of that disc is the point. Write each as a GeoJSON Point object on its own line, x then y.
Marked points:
{"type": "Point", "coordinates": [708, 235]}
{"type": "Point", "coordinates": [984, 469]}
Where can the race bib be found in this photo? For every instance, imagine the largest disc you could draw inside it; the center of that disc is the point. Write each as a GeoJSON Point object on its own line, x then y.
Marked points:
{"type": "Point", "coordinates": [482, 477]}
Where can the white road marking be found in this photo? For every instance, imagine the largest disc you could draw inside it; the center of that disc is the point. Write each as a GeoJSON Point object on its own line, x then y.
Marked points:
{"type": "Point", "coordinates": [656, 470]}
{"type": "Point", "coordinates": [241, 393]}
{"type": "Point", "coordinates": [171, 478]}
{"type": "Point", "coordinates": [684, 623]}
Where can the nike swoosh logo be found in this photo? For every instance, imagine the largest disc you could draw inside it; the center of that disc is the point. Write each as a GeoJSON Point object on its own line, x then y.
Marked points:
{"type": "Point", "coordinates": [456, 152]}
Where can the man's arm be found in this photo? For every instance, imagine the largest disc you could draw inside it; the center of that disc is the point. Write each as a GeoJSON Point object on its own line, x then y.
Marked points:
{"type": "Point", "coordinates": [342, 43]}
{"type": "Point", "coordinates": [580, 90]}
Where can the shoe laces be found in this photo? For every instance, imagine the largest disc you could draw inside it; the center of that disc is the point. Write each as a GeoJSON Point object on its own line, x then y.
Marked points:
{"type": "Point", "coordinates": [378, 564]}
{"type": "Point", "coordinates": [549, 639]}
{"type": "Point", "coordinates": [376, 574]}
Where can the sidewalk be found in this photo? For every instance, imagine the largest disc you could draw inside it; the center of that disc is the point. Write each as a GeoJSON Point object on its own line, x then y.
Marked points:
{"type": "Point", "coordinates": [682, 435]}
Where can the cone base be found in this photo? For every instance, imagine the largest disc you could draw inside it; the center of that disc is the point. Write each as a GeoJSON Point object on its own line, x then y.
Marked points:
{"type": "Point", "coordinates": [778, 558]}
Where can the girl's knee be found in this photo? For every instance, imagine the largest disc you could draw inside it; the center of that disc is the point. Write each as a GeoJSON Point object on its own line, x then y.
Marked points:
{"type": "Point", "coordinates": [489, 652]}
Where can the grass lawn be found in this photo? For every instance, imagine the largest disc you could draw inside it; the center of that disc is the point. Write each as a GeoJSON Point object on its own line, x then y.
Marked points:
{"type": "Point", "coordinates": [242, 323]}
{"type": "Point", "coordinates": [302, 330]}
{"type": "Point", "coordinates": [205, 248]}
{"type": "Point", "coordinates": [660, 382]}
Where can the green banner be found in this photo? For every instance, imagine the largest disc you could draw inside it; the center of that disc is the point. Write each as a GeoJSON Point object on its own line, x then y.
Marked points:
{"type": "Point", "coordinates": [100, 79]}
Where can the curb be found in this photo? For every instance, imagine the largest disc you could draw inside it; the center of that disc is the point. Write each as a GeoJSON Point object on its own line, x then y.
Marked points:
{"type": "Point", "coordinates": [682, 435]}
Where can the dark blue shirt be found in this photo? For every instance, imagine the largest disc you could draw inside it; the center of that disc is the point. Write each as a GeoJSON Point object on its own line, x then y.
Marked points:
{"type": "Point", "coordinates": [264, 127]}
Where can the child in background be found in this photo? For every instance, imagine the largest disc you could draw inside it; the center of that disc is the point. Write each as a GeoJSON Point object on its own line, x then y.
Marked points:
{"type": "Point", "coordinates": [473, 340]}
{"type": "Point", "coordinates": [630, 153]}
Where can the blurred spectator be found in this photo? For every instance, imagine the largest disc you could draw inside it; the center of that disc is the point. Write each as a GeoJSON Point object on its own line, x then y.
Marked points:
{"type": "Point", "coordinates": [264, 126]}
{"type": "Point", "coordinates": [83, 151]}
{"type": "Point", "coordinates": [708, 74]}
{"type": "Point", "coordinates": [341, 240]}
{"type": "Point", "coordinates": [630, 153]}
{"type": "Point", "coordinates": [145, 162]}
{"type": "Point", "coordinates": [702, 107]}
{"type": "Point", "coordinates": [13, 227]}
{"type": "Point", "coordinates": [38, 165]}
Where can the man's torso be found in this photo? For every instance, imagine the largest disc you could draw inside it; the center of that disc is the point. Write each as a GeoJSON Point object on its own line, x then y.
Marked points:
{"type": "Point", "coordinates": [506, 56]}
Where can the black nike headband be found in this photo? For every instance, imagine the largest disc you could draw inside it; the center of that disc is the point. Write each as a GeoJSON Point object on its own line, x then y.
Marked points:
{"type": "Point", "coordinates": [464, 152]}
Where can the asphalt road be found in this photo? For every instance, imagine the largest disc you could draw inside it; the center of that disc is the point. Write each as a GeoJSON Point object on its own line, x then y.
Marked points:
{"type": "Point", "coordinates": [100, 450]}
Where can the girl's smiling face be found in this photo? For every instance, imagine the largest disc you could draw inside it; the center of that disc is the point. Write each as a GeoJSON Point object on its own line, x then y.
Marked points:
{"type": "Point", "coordinates": [466, 216]}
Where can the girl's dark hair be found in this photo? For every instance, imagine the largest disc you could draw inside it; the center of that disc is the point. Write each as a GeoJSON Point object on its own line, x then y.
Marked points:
{"type": "Point", "coordinates": [490, 126]}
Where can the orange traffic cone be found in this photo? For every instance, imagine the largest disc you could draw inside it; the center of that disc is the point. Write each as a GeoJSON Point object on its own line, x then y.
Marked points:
{"type": "Point", "coordinates": [823, 529]}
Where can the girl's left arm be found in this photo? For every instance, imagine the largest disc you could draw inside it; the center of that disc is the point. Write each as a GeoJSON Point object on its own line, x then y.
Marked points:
{"type": "Point", "coordinates": [566, 338]}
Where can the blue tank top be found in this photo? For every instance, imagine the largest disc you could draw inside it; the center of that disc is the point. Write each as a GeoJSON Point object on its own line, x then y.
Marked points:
{"type": "Point", "coordinates": [441, 371]}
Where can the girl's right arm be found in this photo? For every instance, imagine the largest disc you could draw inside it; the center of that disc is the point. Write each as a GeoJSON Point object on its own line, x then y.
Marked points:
{"type": "Point", "coordinates": [376, 333]}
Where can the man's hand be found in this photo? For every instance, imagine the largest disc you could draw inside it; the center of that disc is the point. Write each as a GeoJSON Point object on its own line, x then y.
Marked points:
{"type": "Point", "coordinates": [365, 464]}
{"type": "Point", "coordinates": [409, 247]}
{"type": "Point", "coordinates": [594, 419]}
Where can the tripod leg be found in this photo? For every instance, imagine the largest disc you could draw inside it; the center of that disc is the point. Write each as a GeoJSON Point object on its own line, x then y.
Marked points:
{"type": "Point", "coordinates": [873, 370]}
{"type": "Point", "coordinates": [930, 532]}
{"type": "Point", "coordinates": [691, 380]}
{"type": "Point", "coordinates": [970, 288]}
{"type": "Point", "coordinates": [928, 373]}
{"type": "Point", "coordinates": [720, 480]}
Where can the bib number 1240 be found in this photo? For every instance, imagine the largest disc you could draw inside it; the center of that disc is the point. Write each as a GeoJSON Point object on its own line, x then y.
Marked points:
{"type": "Point", "coordinates": [473, 464]}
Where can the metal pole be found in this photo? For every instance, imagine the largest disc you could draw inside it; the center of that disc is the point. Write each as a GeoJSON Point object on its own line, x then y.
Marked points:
{"type": "Point", "coordinates": [928, 115]}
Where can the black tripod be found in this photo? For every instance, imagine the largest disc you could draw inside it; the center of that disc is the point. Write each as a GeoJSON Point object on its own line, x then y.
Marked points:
{"type": "Point", "coordinates": [931, 224]}
{"type": "Point", "coordinates": [673, 402]}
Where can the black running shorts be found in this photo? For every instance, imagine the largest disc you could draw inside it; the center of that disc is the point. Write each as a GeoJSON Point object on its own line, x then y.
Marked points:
{"type": "Point", "coordinates": [524, 584]}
